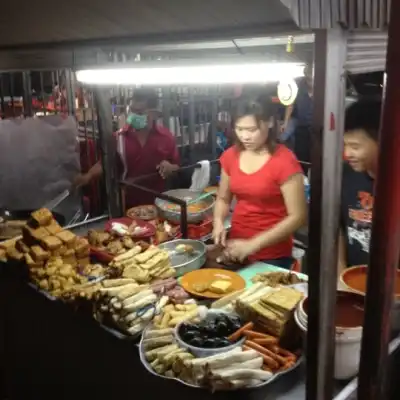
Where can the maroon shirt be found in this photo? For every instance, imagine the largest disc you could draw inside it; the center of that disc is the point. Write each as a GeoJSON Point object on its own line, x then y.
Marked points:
{"type": "Point", "coordinates": [143, 160]}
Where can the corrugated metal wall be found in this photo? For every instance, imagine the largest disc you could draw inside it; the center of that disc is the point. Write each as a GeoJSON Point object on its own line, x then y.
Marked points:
{"type": "Point", "coordinates": [366, 51]}
{"type": "Point", "coordinates": [365, 20]}
{"type": "Point", "coordinates": [349, 14]}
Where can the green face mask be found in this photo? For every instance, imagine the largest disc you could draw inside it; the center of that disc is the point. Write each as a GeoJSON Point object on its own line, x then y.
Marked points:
{"type": "Point", "coordinates": [137, 121]}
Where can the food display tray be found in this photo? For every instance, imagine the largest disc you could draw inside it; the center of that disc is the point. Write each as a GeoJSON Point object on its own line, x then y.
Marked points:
{"type": "Point", "coordinates": [42, 292]}
{"type": "Point", "coordinates": [120, 335]}
{"type": "Point", "coordinates": [52, 298]}
{"type": "Point", "coordinates": [151, 371]}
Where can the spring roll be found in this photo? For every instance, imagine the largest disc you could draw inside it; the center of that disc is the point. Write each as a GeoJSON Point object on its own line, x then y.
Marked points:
{"type": "Point", "coordinates": [153, 343]}
{"type": "Point", "coordinates": [233, 359]}
{"type": "Point", "coordinates": [128, 291]}
{"type": "Point", "coordinates": [161, 303]}
{"type": "Point", "coordinates": [242, 373]}
{"type": "Point", "coordinates": [185, 317]}
{"type": "Point", "coordinates": [117, 282]}
{"type": "Point", "coordinates": [205, 360]}
{"type": "Point", "coordinates": [112, 291]}
{"type": "Point", "coordinates": [140, 295]}
{"type": "Point", "coordinates": [129, 254]}
{"type": "Point", "coordinates": [133, 330]}
{"type": "Point", "coordinates": [253, 289]}
{"type": "Point", "coordinates": [153, 354]}
{"type": "Point", "coordinates": [255, 363]}
{"type": "Point", "coordinates": [154, 333]}
{"type": "Point", "coordinates": [141, 303]}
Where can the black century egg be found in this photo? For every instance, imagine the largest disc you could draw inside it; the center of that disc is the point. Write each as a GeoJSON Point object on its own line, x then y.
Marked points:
{"type": "Point", "coordinates": [212, 332]}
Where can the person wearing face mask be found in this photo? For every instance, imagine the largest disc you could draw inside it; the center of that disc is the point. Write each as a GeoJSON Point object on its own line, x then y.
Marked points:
{"type": "Point", "coordinates": [267, 181]}
{"type": "Point", "coordinates": [362, 123]}
{"type": "Point", "coordinates": [144, 147]}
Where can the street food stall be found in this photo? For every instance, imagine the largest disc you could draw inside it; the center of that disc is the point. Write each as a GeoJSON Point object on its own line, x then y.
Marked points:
{"type": "Point", "coordinates": [112, 306]}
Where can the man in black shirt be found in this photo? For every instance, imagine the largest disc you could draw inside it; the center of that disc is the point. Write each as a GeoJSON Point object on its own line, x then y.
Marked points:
{"type": "Point", "coordinates": [361, 152]}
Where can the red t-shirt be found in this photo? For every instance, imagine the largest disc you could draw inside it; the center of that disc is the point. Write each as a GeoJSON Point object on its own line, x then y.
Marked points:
{"type": "Point", "coordinates": [143, 160]}
{"type": "Point", "coordinates": [260, 204]}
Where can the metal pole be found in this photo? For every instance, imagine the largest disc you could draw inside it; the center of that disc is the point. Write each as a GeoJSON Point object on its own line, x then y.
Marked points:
{"type": "Point", "coordinates": [192, 122]}
{"type": "Point", "coordinates": [166, 106]}
{"type": "Point", "coordinates": [108, 150]}
{"type": "Point", "coordinates": [385, 234]}
{"type": "Point", "coordinates": [27, 93]}
{"type": "Point", "coordinates": [214, 123]}
{"type": "Point", "coordinates": [70, 90]}
{"type": "Point", "coordinates": [324, 210]}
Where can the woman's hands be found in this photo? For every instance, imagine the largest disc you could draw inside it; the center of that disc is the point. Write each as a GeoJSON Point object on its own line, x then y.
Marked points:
{"type": "Point", "coordinates": [236, 250]}
{"type": "Point", "coordinates": [219, 233]}
{"type": "Point", "coordinates": [239, 249]}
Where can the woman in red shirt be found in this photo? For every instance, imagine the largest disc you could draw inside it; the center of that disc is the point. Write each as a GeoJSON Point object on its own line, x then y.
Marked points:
{"type": "Point", "coordinates": [267, 181]}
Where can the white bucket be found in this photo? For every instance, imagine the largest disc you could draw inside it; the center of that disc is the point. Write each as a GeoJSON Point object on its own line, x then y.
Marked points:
{"type": "Point", "coordinates": [347, 349]}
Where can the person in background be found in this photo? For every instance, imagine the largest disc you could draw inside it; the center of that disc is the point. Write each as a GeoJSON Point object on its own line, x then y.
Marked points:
{"type": "Point", "coordinates": [362, 123]}
{"type": "Point", "coordinates": [143, 147]}
{"type": "Point", "coordinates": [267, 181]}
{"type": "Point", "coordinates": [298, 118]}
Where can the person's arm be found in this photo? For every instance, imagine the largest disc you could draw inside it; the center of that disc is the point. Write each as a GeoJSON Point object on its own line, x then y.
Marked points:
{"type": "Point", "coordinates": [296, 206]}
{"type": "Point", "coordinates": [342, 253]}
{"type": "Point", "coordinates": [174, 156]}
{"type": "Point", "coordinates": [171, 164]}
{"type": "Point", "coordinates": [96, 171]}
{"type": "Point", "coordinates": [224, 198]}
{"type": "Point", "coordinates": [84, 179]}
{"type": "Point", "coordinates": [288, 114]}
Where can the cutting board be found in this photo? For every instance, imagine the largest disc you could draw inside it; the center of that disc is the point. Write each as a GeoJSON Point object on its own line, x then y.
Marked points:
{"type": "Point", "coordinates": [247, 273]}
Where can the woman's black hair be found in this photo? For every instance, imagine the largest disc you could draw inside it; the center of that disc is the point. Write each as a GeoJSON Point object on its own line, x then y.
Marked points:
{"type": "Point", "coordinates": [364, 114]}
{"type": "Point", "coordinates": [263, 109]}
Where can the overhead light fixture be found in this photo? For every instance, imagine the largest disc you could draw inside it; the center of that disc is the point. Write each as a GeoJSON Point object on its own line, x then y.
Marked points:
{"type": "Point", "coordinates": [235, 73]}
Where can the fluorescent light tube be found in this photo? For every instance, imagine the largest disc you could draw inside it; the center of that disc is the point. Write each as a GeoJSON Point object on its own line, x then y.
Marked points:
{"type": "Point", "coordinates": [260, 72]}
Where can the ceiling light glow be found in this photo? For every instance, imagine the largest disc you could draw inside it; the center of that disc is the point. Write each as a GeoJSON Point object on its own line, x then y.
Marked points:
{"type": "Point", "coordinates": [195, 75]}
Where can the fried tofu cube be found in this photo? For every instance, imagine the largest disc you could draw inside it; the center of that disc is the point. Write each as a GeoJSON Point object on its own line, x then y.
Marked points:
{"type": "Point", "coordinates": [33, 236]}
{"type": "Point", "coordinates": [53, 228]}
{"type": "Point", "coordinates": [14, 254]}
{"type": "Point", "coordinates": [68, 238]}
{"type": "Point", "coordinates": [82, 247]}
{"type": "Point", "coordinates": [51, 243]}
{"type": "Point", "coordinates": [38, 254]}
{"type": "Point", "coordinates": [41, 217]}
{"type": "Point", "coordinates": [22, 247]}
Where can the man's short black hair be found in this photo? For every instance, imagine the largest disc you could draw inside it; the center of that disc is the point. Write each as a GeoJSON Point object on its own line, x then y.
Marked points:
{"type": "Point", "coordinates": [146, 95]}
{"type": "Point", "coordinates": [364, 114]}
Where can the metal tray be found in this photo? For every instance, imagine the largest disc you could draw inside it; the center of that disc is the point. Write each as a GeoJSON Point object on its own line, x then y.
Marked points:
{"type": "Point", "coordinates": [52, 298]}
{"type": "Point", "coordinates": [266, 383]}
{"type": "Point", "coordinates": [184, 263]}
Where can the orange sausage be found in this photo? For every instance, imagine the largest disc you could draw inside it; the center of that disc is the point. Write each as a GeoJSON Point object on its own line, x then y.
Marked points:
{"type": "Point", "coordinates": [275, 349]}
{"type": "Point", "coordinates": [253, 335]}
{"type": "Point", "coordinates": [236, 335]}
{"type": "Point", "coordinates": [266, 352]}
{"type": "Point", "coordinates": [286, 353]}
{"type": "Point", "coordinates": [268, 361]}
{"type": "Point", "coordinates": [288, 365]}
{"type": "Point", "coordinates": [266, 341]}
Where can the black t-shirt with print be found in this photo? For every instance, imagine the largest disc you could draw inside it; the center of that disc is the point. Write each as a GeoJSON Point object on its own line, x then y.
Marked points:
{"type": "Point", "coordinates": [356, 214]}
